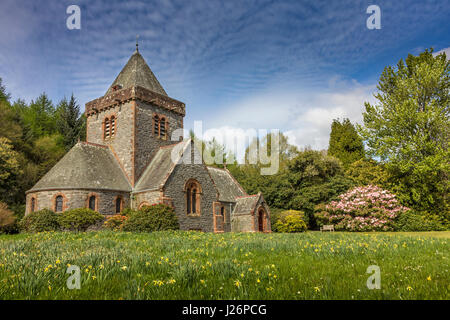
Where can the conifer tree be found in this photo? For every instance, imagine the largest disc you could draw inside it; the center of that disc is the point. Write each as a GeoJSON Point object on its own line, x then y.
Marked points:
{"type": "Point", "coordinates": [345, 143]}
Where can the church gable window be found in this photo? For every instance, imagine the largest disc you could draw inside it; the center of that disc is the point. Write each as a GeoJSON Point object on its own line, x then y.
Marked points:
{"type": "Point", "coordinates": [193, 197]}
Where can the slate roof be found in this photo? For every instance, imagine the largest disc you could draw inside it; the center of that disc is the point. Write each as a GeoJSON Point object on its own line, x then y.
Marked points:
{"type": "Point", "coordinates": [246, 204]}
{"type": "Point", "coordinates": [85, 166]}
{"type": "Point", "coordinates": [137, 73]}
{"type": "Point", "coordinates": [228, 188]}
{"type": "Point", "coordinates": [159, 169]}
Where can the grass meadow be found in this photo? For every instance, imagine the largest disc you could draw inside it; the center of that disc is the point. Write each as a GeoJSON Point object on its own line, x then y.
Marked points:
{"type": "Point", "coordinates": [194, 265]}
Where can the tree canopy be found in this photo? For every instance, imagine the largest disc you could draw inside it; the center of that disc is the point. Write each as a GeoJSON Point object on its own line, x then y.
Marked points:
{"type": "Point", "coordinates": [408, 129]}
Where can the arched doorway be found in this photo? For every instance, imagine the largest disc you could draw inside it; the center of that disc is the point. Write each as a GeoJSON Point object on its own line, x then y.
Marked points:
{"type": "Point", "coordinates": [261, 219]}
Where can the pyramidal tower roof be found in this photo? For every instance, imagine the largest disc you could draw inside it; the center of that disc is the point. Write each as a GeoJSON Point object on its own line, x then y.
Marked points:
{"type": "Point", "coordinates": [137, 73]}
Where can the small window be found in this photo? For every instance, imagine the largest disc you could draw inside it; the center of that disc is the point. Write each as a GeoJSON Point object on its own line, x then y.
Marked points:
{"type": "Point", "coordinates": [193, 193]}
{"type": "Point", "coordinates": [162, 128]}
{"type": "Point", "coordinates": [33, 205]}
{"type": "Point", "coordinates": [92, 203]}
{"type": "Point", "coordinates": [118, 205]}
{"type": "Point", "coordinates": [188, 200]}
{"type": "Point", "coordinates": [159, 127]}
{"type": "Point", "coordinates": [194, 201]}
{"type": "Point", "coordinates": [156, 125]}
{"type": "Point", "coordinates": [222, 211]}
{"type": "Point", "coordinates": [109, 127]}
{"type": "Point", "coordinates": [112, 122]}
{"type": "Point", "coordinates": [59, 204]}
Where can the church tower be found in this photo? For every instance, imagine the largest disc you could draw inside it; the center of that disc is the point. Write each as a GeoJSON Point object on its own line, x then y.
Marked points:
{"type": "Point", "coordinates": [134, 118]}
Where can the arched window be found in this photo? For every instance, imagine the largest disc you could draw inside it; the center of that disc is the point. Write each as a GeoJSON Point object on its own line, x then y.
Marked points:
{"type": "Point", "coordinates": [109, 127]}
{"type": "Point", "coordinates": [156, 125]}
{"type": "Point", "coordinates": [33, 204]}
{"type": "Point", "coordinates": [93, 203]}
{"type": "Point", "coordinates": [112, 122]}
{"type": "Point", "coordinates": [159, 126]}
{"type": "Point", "coordinates": [119, 204]}
{"type": "Point", "coordinates": [261, 220]}
{"type": "Point", "coordinates": [59, 201]}
{"type": "Point", "coordinates": [162, 128]}
{"type": "Point", "coordinates": [193, 200]}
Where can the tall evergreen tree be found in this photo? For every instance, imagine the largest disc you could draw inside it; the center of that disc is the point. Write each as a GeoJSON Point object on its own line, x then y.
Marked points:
{"type": "Point", "coordinates": [4, 96]}
{"type": "Point", "coordinates": [345, 143]}
{"type": "Point", "coordinates": [71, 124]}
{"type": "Point", "coordinates": [409, 129]}
{"type": "Point", "coordinates": [39, 117]}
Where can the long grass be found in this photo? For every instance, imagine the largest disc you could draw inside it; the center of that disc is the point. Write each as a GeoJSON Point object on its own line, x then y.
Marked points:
{"type": "Point", "coordinates": [193, 265]}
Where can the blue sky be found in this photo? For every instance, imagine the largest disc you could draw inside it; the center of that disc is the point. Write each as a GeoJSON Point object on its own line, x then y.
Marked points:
{"type": "Point", "coordinates": [289, 65]}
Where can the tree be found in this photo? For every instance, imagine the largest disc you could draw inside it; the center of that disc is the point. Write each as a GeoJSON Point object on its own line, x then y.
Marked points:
{"type": "Point", "coordinates": [38, 117]}
{"type": "Point", "coordinates": [367, 171]}
{"type": "Point", "coordinates": [409, 129]}
{"type": "Point", "coordinates": [4, 96]}
{"type": "Point", "coordinates": [71, 124]}
{"type": "Point", "coordinates": [9, 166]}
{"type": "Point", "coordinates": [345, 143]}
{"type": "Point", "coordinates": [315, 178]}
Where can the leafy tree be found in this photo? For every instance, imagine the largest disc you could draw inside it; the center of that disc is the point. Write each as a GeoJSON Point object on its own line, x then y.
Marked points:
{"type": "Point", "coordinates": [367, 171]}
{"type": "Point", "coordinates": [71, 124]}
{"type": "Point", "coordinates": [315, 178]}
{"type": "Point", "coordinates": [9, 165]}
{"type": "Point", "coordinates": [408, 129]}
{"type": "Point", "coordinates": [345, 143]}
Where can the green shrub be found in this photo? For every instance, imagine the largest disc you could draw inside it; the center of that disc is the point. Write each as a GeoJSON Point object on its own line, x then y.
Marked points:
{"type": "Point", "coordinates": [115, 222]}
{"type": "Point", "coordinates": [275, 214]}
{"type": "Point", "coordinates": [413, 221]}
{"type": "Point", "coordinates": [291, 221]}
{"type": "Point", "coordinates": [157, 217]}
{"type": "Point", "coordinates": [40, 221]}
{"type": "Point", "coordinates": [8, 222]}
{"type": "Point", "coordinates": [127, 212]}
{"type": "Point", "coordinates": [79, 219]}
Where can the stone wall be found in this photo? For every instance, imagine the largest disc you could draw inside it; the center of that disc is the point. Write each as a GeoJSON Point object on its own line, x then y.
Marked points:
{"type": "Point", "coordinates": [123, 141]}
{"type": "Point", "coordinates": [149, 197]}
{"type": "Point", "coordinates": [249, 222]}
{"type": "Point", "coordinates": [175, 190]}
{"type": "Point", "coordinates": [73, 199]}
{"type": "Point", "coordinates": [147, 143]}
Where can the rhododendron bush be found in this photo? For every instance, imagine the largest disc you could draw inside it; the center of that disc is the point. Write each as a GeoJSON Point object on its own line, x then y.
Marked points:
{"type": "Point", "coordinates": [368, 208]}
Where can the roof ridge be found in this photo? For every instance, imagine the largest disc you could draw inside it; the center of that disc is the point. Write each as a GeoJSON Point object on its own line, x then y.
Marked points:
{"type": "Point", "coordinates": [250, 196]}
{"type": "Point", "coordinates": [94, 144]}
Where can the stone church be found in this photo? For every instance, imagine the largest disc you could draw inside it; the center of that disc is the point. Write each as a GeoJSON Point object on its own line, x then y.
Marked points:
{"type": "Point", "coordinates": [129, 160]}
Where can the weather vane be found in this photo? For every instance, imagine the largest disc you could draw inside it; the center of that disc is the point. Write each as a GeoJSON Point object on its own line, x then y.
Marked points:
{"type": "Point", "coordinates": [137, 44]}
